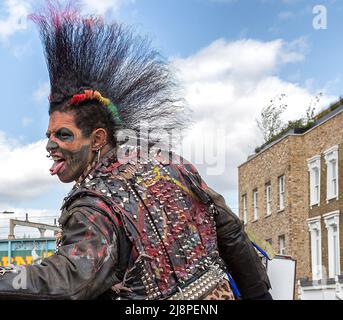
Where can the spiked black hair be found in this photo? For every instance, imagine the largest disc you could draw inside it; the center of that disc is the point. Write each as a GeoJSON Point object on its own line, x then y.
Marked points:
{"type": "Point", "coordinates": [82, 52]}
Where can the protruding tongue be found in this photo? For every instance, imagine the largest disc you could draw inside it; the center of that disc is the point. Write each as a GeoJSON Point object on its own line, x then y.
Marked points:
{"type": "Point", "coordinates": [57, 166]}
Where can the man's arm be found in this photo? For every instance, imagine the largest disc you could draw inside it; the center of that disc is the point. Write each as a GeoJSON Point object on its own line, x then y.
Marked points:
{"type": "Point", "coordinates": [238, 252]}
{"type": "Point", "coordinates": [83, 268]}
{"type": "Point", "coordinates": [234, 246]}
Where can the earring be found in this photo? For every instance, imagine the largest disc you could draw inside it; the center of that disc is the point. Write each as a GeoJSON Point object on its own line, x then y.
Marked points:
{"type": "Point", "coordinates": [98, 151]}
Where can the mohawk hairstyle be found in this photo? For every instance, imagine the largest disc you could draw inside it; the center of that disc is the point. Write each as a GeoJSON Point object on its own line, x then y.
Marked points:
{"type": "Point", "coordinates": [82, 52]}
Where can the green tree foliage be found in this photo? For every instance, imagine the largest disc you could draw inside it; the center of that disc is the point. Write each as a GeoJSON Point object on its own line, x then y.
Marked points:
{"type": "Point", "coordinates": [273, 127]}
{"type": "Point", "coordinates": [270, 121]}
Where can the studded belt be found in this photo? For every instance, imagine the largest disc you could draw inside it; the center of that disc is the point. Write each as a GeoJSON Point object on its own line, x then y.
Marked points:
{"type": "Point", "coordinates": [202, 286]}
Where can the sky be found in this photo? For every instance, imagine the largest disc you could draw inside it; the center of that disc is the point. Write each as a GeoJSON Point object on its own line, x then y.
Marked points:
{"type": "Point", "coordinates": [231, 58]}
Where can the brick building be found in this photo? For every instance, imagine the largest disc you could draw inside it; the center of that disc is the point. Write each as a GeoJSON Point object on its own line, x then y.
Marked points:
{"type": "Point", "coordinates": [290, 193]}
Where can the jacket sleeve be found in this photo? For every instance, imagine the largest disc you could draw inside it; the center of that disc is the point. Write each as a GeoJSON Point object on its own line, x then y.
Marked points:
{"type": "Point", "coordinates": [238, 252]}
{"type": "Point", "coordinates": [83, 268]}
{"type": "Point", "coordinates": [234, 246]}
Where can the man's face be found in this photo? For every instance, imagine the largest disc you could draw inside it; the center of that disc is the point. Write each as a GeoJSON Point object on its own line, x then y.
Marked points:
{"type": "Point", "coordinates": [69, 149]}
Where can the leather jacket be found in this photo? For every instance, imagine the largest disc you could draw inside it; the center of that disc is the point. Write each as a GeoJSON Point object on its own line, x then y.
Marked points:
{"type": "Point", "coordinates": [235, 247]}
{"type": "Point", "coordinates": [95, 251]}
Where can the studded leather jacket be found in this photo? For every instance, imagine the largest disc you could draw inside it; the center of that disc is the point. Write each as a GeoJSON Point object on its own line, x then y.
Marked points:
{"type": "Point", "coordinates": [140, 230]}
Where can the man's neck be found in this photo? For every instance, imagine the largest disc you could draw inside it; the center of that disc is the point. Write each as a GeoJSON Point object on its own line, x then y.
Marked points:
{"type": "Point", "coordinates": [104, 150]}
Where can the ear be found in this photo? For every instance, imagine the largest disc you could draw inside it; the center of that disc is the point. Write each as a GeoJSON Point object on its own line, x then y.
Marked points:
{"type": "Point", "coordinates": [99, 138]}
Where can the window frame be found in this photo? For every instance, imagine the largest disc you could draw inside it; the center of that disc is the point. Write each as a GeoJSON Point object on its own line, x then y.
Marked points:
{"type": "Point", "coordinates": [331, 156]}
{"type": "Point", "coordinates": [269, 199]}
{"type": "Point", "coordinates": [245, 208]}
{"type": "Point", "coordinates": [282, 250]}
{"type": "Point", "coordinates": [255, 204]}
{"type": "Point", "coordinates": [314, 225]}
{"type": "Point", "coordinates": [314, 167]}
{"type": "Point", "coordinates": [331, 221]}
{"type": "Point", "coordinates": [282, 192]}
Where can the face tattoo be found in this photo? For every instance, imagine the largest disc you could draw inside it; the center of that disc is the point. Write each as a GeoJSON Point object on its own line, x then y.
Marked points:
{"type": "Point", "coordinates": [68, 148]}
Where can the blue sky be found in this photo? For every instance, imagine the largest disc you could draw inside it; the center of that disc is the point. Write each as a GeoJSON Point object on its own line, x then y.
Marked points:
{"type": "Point", "coordinates": [281, 51]}
{"type": "Point", "coordinates": [181, 28]}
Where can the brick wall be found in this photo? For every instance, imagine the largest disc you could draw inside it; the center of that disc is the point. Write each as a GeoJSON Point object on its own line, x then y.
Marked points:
{"type": "Point", "coordinates": [289, 157]}
{"type": "Point", "coordinates": [284, 158]}
{"type": "Point", "coordinates": [318, 141]}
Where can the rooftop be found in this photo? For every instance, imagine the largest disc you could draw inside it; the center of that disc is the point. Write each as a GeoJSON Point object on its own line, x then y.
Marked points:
{"type": "Point", "coordinates": [319, 119]}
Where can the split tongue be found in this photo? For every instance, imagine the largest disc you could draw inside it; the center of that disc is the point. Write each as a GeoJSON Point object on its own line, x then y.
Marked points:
{"type": "Point", "coordinates": [57, 166]}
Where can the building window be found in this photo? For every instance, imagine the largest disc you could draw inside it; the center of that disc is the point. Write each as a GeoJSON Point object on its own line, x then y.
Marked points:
{"type": "Point", "coordinates": [282, 245]}
{"type": "Point", "coordinates": [332, 225]}
{"type": "Point", "coordinates": [245, 210]}
{"type": "Point", "coordinates": [281, 183]}
{"type": "Point", "coordinates": [255, 204]}
{"type": "Point", "coordinates": [314, 169]}
{"type": "Point", "coordinates": [316, 247]}
{"type": "Point", "coordinates": [331, 160]}
{"type": "Point", "coordinates": [268, 199]}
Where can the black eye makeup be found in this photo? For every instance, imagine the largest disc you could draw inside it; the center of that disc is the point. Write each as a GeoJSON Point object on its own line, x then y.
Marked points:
{"type": "Point", "coordinates": [64, 134]}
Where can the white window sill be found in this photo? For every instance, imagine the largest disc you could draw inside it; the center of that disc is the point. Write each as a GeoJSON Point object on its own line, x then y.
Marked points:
{"type": "Point", "coordinates": [334, 197]}
{"type": "Point", "coordinates": [314, 204]}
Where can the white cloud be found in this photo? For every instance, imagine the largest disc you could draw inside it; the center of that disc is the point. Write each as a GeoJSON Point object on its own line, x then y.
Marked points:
{"type": "Point", "coordinates": [102, 7]}
{"type": "Point", "coordinates": [227, 84]}
{"type": "Point", "coordinates": [26, 121]}
{"type": "Point", "coordinates": [294, 51]}
{"type": "Point", "coordinates": [15, 18]}
{"type": "Point", "coordinates": [24, 176]}
{"type": "Point", "coordinates": [245, 59]}
{"type": "Point", "coordinates": [224, 1]}
{"type": "Point", "coordinates": [286, 15]}
{"type": "Point", "coordinates": [291, 2]}
{"type": "Point", "coordinates": [34, 215]}
{"type": "Point", "coordinates": [24, 171]}
{"type": "Point", "coordinates": [42, 92]}
{"type": "Point", "coordinates": [20, 50]}
{"type": "Point", "coordinates": [13, 13]}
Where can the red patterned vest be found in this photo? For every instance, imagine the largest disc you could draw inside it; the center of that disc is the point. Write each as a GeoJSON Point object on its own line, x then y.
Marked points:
{"type": "Point", "coordinates": [168, 219]}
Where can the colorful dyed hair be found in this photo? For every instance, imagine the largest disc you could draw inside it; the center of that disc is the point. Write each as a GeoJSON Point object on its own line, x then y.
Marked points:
{"type": "Point", "coordinates": [95, 95]}
{"type": "Point", "coordinates": [83, 52]}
